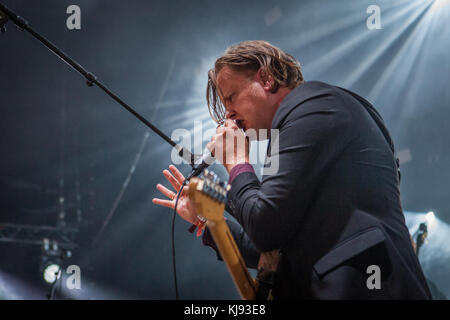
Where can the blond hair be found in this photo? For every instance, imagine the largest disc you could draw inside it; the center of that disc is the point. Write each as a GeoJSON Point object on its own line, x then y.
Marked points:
{"type": "Point", "coordinates": [250, 56]}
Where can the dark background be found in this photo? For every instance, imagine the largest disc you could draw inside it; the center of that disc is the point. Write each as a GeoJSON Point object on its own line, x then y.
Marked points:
{"type": "Point", "coordinates": [61, 139]}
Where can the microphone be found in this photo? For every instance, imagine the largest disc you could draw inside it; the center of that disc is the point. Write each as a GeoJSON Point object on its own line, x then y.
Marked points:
{"type": "Point", "coordinates": [422, 234]}
{"type": "Point", "coordinates": [207, 158]}
{"type": "Point", "coordinates": [202, 163]}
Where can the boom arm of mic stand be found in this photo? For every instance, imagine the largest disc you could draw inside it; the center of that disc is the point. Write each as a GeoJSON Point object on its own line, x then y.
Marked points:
{"type": "Point", "coordinates": [6, 14]}
{"type": "Point", "coordinates": [3, 20]}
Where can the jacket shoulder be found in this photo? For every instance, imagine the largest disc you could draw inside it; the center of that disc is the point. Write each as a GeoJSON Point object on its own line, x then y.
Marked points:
{"type": "Point", "coordinates": [310, 91]}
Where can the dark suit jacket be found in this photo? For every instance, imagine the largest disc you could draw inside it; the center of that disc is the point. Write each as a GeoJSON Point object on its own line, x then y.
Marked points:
{"type": "Point", "coordinates": [333, 207]}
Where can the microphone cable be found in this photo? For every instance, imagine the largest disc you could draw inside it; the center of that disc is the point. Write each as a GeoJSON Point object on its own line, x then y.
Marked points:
{"type": "Point", "coordinates": [177, 296]}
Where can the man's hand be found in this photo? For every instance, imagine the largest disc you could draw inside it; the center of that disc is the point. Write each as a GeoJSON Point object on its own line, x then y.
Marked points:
{"type": "Point", "coordinates": [230, 146]}
{"type": "Point", "coordinates": [185, 208]}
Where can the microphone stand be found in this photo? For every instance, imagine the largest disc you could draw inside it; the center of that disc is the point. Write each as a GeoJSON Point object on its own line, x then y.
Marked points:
{"type": "Point", "coordinates": [51, 294]}
{"type": "Point", "coordinates": [197, 162]}
{"type": "Point", "coordinates": [6, 14]}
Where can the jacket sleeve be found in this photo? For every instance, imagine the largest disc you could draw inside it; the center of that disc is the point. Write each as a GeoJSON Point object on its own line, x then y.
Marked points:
{"type": "Point", "coordinates": [248, 250]}
{"type": "Point", "coordinates": [310, 138]}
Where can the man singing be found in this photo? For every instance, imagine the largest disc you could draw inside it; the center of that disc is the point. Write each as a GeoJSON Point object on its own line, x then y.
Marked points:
{"type": "Point", "coordinates": [331, 215]}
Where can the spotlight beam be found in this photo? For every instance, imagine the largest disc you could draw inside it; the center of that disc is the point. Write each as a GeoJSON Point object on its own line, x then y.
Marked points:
{"type": "Point", "coordinates": [324, 30]}
{"type": "Point", "coordinates": [400, 56]}
{"type": "Point", "coordinates": [137, 157]}
{"type": "Point", "coordinates": [328, 60]}
{"type": "Point", "coordinates": [406, 30]}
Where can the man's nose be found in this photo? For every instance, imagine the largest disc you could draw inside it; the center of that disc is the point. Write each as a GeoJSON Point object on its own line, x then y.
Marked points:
{"type": "Point", "coordinates": [230, 115]}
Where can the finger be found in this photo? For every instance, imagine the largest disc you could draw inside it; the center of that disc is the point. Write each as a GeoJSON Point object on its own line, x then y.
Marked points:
{"type": "Point", "coordinates": [169, 194]}
{"type": "Point", "coordinates": [164, 203]}
{"type": "Point", "coordinates": [185, 190]}
{"type": "Point", "coordinates": [231, 124]}
{"type": "Point", "coordinates": [210, 147]}
{"type": "Point", "coordinates": [220, 130]}
{"type": "Point", "coordinates": [178, 175]}
{"type": "Point", "coordinates": [218, 136]}
{"type": "Point", "coordinates": [175, 184]}
{"type": "Point", "coordinates": [226, 129]}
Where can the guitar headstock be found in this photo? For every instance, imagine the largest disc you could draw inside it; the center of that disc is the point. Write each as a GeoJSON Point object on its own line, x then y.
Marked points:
{"type": "Point", "coordinates": [209, 195]}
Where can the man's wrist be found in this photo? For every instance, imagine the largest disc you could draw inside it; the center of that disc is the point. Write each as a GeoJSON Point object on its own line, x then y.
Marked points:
{"type": "Point", "coordinates": [238, 169]}
{"type": "Point", "coordinates": [230, 166]}
{"type": "Point", "coordinates": [199, 224]}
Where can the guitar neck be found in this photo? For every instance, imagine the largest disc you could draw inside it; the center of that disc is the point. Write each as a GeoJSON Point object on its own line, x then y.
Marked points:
{"type": "Point", "coordinates": [209, 195]}
{"type": "Point", "coordinates": [230, 254]}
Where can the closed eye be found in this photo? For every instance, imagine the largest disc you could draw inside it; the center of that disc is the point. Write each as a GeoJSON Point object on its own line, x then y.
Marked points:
{"type": "Point", "coordinates": [229, 98]}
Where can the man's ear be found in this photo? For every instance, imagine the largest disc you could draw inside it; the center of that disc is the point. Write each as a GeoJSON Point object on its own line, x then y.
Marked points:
{"type": "Point", "coordinates": [265, 79]}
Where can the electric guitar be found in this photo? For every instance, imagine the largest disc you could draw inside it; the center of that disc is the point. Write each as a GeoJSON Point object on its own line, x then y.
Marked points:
{"type": "Point", "coordinates": [209, 196]}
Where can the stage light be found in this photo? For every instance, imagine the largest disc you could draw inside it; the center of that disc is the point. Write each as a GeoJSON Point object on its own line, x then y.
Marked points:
{"type": "Point", "coordinates": [52, 272]}
{"type": "Point", "coordinates": [439, 4]}
{"type": "Point", "coordinates": [431, 218]}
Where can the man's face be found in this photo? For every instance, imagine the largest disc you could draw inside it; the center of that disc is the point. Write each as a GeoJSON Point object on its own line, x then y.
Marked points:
{"type": "Point", "coordinates": [245, 99]}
